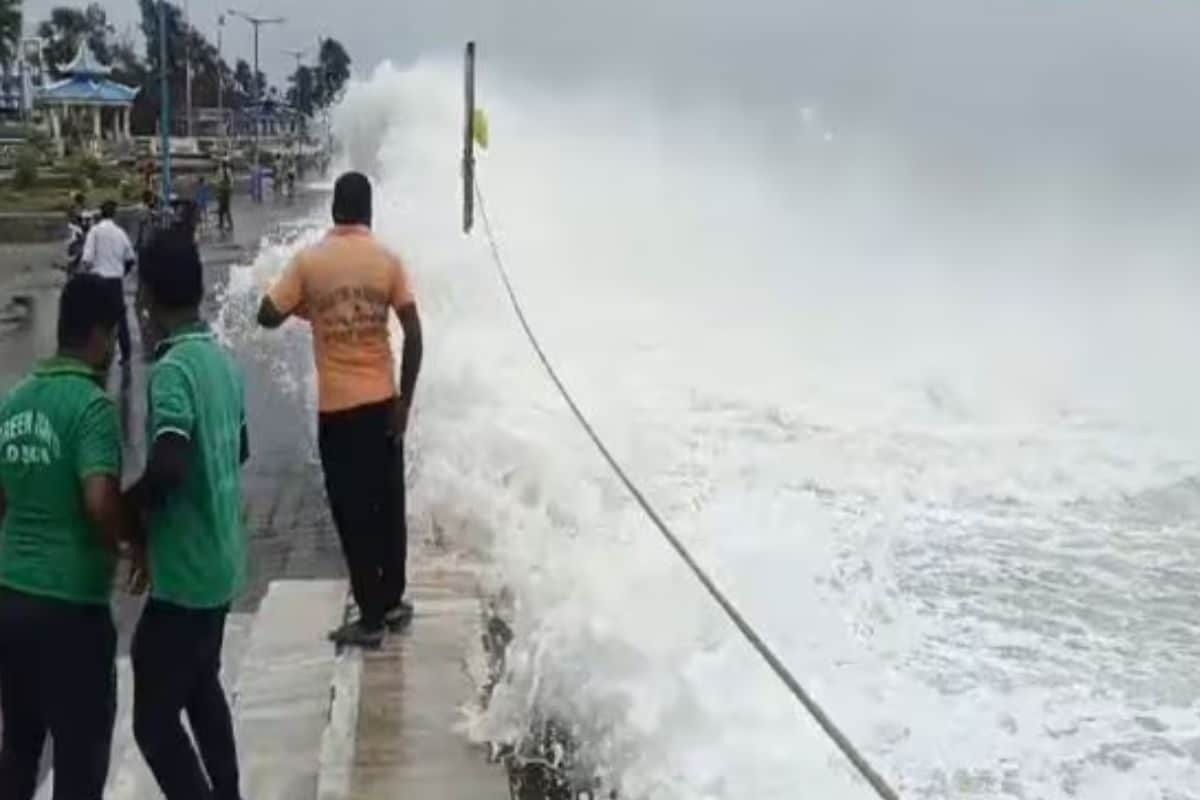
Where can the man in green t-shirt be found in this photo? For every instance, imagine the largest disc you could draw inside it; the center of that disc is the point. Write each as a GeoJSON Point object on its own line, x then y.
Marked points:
{"type": "Point", "coordinates": [63, 519]}
{"type": "Point", "coordinates": [190, 497]}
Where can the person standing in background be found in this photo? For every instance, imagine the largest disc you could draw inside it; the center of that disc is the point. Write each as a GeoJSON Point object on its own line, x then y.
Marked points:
{"type": "Point", "coordinates": [149, 221]}
{"type": "Point", "coordinates": [345, 287]}
{"type": "Point", "coordinates": [225, 199]}
{"type": "Point", "coordinates": [108, 253]}
{"type": "Point", "coordinates": [202, 197]}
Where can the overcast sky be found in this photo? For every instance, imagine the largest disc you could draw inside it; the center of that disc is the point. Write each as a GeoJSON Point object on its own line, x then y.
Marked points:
{"type": "Point", "coordinates": [1106, 74]}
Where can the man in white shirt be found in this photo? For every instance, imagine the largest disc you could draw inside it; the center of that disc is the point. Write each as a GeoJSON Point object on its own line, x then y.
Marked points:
{"type": "Point", "coordinates": [109, 254]}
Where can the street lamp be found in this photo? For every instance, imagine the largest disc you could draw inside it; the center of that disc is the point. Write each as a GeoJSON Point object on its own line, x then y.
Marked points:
{"type": "Point", "coordinates": [165, 105]}
{"type": "Point", "coordinates": [257, 23]}
{"type": "Point", "coordinates": [221, 75]}
{"type": "Point", "coordinates": [187, 57]}
{"type": "Point", "coordinates": [299, 56]}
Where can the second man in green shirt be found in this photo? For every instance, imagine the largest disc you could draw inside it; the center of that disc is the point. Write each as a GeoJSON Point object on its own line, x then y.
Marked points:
{"type": "Point", "coordinates": [195, 544]}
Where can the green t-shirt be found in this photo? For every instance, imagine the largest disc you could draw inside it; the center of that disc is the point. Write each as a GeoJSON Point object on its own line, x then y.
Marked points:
{"type": "Point", "coordinates": [196, 540]}
{"type": "Point", "coordinates": [57, 427]}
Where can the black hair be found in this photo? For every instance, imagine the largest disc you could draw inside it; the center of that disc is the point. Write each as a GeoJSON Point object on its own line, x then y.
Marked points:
{"type": "Point", "coordinates": [147, 197]}
{"type": "Point", "coordinates": [170, 269]}
{"type": "Point", "coordinates": [352, 199]}
{"type": "Point", "coordinates": [108, 209]}
{"type": "Point", "coordinates": [87, 303]}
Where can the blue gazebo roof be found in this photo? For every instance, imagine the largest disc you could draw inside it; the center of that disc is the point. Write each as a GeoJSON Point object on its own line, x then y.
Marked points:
{"type": "Point", "coordinates": [87, 91]}
{"type": "Point", "coordinates": [87, 83]}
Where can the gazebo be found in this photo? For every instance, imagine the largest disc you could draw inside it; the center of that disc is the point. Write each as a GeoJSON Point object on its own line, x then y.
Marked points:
{"type": "Point", "coordinates": [87, 91]}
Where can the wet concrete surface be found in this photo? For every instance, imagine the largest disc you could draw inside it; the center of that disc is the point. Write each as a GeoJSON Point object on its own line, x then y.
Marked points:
{"type": "Point", "coordinates": [413, 691]}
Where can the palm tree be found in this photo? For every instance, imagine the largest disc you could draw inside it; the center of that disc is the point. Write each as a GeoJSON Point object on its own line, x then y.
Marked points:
{"type": "Point", "coordinates": [10, 30]}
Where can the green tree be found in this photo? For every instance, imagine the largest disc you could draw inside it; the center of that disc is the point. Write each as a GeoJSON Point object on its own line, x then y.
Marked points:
{"type": "Point", "coordinates": [150, 30]}
{"type": "Point", "coordinates": [25, 170]}
{"type": "Point", "coordinates": [300, 94]}
{"type": "Point", "coordinates": [67, 27]}
{"type": "Point", "coordinates": [185, 44]}
{"type": "Point", "coordinates": [243, 78]}
{"type": "Point", "coordinates": [245, 84]}
{"type": "Point", "coordinates": [10, 30]}
{"type": "Point", "coordinates": [333, 70]}
{"type": "Point", "coordinates": [129, 69]}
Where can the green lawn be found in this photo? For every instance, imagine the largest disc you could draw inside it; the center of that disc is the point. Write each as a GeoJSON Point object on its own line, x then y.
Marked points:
{"type": "Point", "coordinates": [53, 197]}
{"type": "Point", "coordinates": [35, 200]}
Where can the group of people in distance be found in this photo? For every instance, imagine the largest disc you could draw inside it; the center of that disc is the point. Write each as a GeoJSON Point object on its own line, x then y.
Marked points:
{"type": "Point", "coordinates": [66, 522]}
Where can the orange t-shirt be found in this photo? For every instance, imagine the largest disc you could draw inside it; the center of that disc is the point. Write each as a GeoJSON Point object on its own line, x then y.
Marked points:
{"type": "Point", "coordinates": [344, 286]}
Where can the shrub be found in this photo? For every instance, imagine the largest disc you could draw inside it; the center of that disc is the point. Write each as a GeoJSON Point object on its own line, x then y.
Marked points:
{"type": "Point", "coordinates": [130, 189]}
{"type": "Point", "coordinates": [86, 172]}
{"type": "Point", "coordinates": [41, 141]}
{"type": "Point", "coordinates": [25, 170]}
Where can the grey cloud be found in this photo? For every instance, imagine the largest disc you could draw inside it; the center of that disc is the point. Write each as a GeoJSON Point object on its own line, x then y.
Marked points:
{"type": "Point", "coordinates": [1110, 78]}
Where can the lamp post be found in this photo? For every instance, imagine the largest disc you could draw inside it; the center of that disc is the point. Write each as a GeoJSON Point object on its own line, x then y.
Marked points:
{"type": "Point", "coordinates": [165, 111]}
{"type": "Point", "coordinates": [220, 72]}
{"type": "Point", "coordinates": [187, 56]}
{"type": "Point", "coordinates": [257, 23]}
{"type": "Point", "coordinates": [299, 56]}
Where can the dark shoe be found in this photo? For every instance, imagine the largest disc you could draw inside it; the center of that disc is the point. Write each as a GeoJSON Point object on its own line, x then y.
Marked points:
{"type": "Point", "coordinates": [355, 634]}
{"type": "Point", "coordinates": [399, 617]}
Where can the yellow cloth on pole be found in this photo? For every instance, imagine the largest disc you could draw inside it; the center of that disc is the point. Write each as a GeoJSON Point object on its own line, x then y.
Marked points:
{"type": "Point", "coordinates": [482, 133]}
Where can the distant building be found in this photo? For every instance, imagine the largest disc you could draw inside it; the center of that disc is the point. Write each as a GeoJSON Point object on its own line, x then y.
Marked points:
{"type": "Point", "coordinates": [271, 118]}
{"type": "Point", "coordinates": [11, 90]}
{"type": "Point", "coordinates": [20, 80]}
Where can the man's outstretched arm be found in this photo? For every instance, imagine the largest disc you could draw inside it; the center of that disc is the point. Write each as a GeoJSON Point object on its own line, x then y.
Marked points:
{"type": "Point", "coordinates": [269, 316]}
{"type": "Point", "coordinates": [285, 298]}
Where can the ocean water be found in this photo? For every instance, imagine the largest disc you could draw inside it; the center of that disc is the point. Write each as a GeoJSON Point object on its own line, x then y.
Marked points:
{"type": "Point", "coordinates": [938, 440]}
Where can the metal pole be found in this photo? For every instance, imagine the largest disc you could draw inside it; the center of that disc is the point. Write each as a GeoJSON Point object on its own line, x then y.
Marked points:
{"type": "Point", "coordinates": [220, 72]}
{"type": "Point", "coordinates": [187, 49]}
{"type": "Point", "coordinates": [165, 114]}
{"type": "Point", "coordinates": [257, 112]}
{"type": "Point", "coordinates": [468, 161]}
{"type": "Point", "coordinates": [257, 22]}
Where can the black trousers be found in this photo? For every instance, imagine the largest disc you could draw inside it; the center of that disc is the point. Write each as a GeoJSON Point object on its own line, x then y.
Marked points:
{"type": "Point", "coordinates": [117, 287]}
{"type": "Point", "coordinates": [364, 478]}
{"type": "Point", "coordinates": [224, 215]}
{"type": "Point", "coordinates": [176, 669]}
{"type": "Point", "coordinates": [57, 677]}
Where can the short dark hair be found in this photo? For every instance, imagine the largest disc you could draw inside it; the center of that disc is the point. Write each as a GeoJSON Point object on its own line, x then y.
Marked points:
{"type": "Point", "coordinates": [352, 199]}
{"type": "Point", "coordinates": [87, 302]}
{"type": "Point", "coordinates": [171, 270]}
{"type": "Point", "coordinates": [108, 209]}
{"type": "Point", "coordinates": [147, 197]}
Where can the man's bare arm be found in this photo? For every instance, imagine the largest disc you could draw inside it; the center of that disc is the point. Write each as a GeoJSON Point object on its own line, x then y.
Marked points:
{"type": "Point", "coordinates": [106, 510]}
{"type": "Point", "coordinates": [410, 365]}
{"type": "Point", "coordinates": [165, 471]}
{"type": "Point", "coordinates": [269, 316]}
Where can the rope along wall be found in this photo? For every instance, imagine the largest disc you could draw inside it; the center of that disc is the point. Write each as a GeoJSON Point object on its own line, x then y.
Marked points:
{"type": "Point", "coordinates": [848, 749]}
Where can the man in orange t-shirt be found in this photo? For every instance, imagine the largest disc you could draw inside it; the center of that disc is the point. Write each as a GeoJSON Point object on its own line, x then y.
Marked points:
{"type": "Point", "coordinates": [345, 286]}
